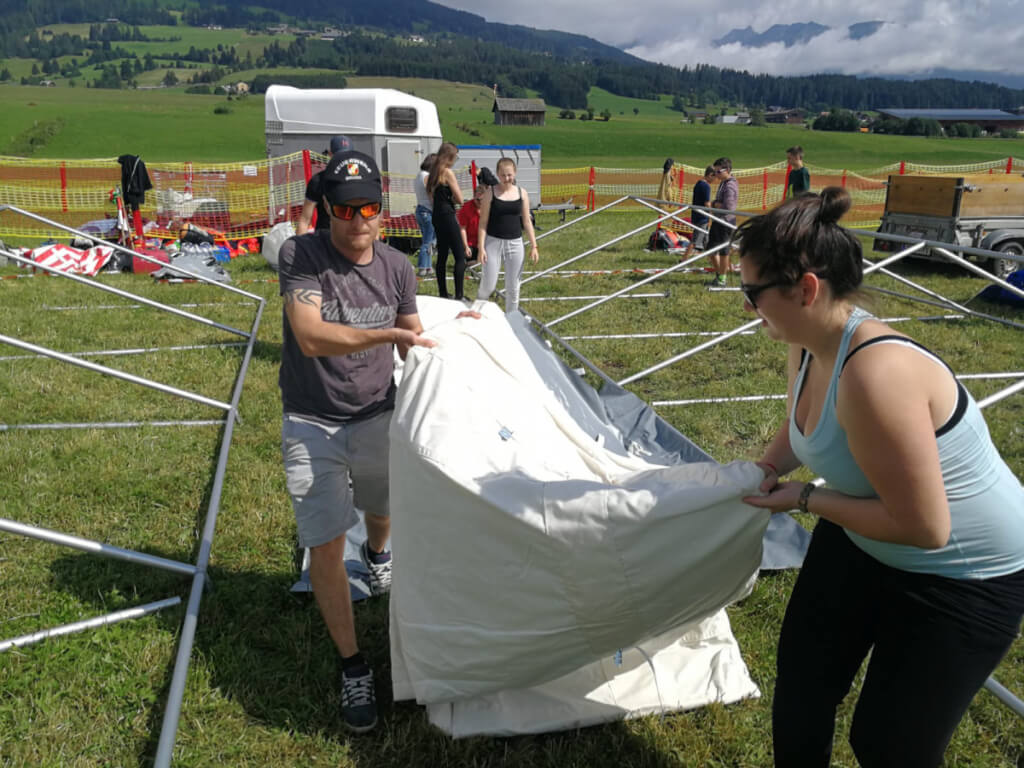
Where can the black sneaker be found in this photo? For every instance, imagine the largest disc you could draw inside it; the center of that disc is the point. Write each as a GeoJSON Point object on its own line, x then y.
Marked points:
{"type": "Point", "coordinates": [358, 701]}
{"type": "Point", "coordinates": [380, 573]}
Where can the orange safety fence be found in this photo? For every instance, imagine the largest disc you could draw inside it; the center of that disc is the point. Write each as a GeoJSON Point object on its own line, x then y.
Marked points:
{"type": "Point", "coordinates": [246, 199]}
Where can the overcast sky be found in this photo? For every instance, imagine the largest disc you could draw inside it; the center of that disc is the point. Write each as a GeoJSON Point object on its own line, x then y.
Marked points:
{"type": "Point", "coordinates": [984, 35]}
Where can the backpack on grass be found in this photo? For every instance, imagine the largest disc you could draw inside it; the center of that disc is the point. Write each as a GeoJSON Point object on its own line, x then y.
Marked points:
{"type": "Point", "coordinates": [665, 240]}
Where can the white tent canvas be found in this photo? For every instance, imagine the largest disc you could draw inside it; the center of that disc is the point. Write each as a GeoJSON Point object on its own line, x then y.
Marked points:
{"type": "Point", "coordinates": [532, 543]}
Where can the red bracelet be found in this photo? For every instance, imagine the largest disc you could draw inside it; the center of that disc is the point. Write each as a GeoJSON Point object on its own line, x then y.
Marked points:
{"type": "Point", "coordinates": [773, 467]}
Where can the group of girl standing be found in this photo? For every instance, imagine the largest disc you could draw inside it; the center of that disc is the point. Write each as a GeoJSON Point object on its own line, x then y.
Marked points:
{"type": "Point", "coordinates": [504, 217]}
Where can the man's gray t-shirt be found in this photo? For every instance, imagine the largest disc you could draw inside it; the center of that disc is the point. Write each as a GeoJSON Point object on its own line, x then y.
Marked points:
{"type": "Point", "coordinates": [341, 388]}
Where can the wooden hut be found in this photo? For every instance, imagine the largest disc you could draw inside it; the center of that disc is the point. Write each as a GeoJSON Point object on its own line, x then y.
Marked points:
{"type": "Point", "coordinates": [518, 111]}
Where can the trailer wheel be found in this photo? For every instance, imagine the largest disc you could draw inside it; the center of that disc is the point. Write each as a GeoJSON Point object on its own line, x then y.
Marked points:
{"type": "Point", "coordinates": [1003, 267]}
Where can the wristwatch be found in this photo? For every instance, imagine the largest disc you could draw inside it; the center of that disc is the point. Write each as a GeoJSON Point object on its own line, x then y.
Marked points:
{"type": "Point", "coordinates": [805, 494]}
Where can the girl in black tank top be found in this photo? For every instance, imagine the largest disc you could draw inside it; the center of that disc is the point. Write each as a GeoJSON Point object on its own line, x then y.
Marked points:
{"type": "Point", "coordinates": [503, 219]}
{"type": "Point", "coordinates": [443, 187]}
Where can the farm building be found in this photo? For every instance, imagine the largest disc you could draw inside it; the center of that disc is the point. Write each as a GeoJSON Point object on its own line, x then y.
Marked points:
{"type": "Point", "coordinates": [740, 118]}
{"type": "Point", "coordinates": [518, 111]}
{"type": "Point", "coordinates": [781, 115]}
{"type": "Point", "coordinates": [989, 120]}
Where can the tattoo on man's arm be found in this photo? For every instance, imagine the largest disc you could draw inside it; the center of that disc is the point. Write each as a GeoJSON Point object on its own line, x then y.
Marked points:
{"type": "Point", "coordinates": [302, 296]}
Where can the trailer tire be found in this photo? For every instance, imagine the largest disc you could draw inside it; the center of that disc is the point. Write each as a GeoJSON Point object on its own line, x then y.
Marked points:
{"type": "Point", "coordinates": [1002, 268]}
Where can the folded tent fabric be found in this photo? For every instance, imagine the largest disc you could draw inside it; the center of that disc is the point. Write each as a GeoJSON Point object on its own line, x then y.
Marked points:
{"type": "Point", "coordinates": [524, 548]}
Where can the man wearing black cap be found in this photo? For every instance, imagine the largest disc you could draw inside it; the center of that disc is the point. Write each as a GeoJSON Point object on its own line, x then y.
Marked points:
{"type": "Point", "coordinates": [349, 299]}
{"type": "Point", "coordinates": [314, 192]}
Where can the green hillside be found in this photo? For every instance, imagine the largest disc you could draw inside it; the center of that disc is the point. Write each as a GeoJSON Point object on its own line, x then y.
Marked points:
{"type": "Point", "coordinates": [170, 125]}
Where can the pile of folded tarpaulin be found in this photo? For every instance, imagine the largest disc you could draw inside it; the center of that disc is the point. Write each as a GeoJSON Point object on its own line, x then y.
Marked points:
{"type": "Point", "coordinates": [65, 258]}
{"type": "Point", "coordinates": [185, 264]}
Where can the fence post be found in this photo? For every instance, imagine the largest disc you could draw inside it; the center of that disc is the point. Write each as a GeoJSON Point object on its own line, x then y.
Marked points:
{"type": "Point", "coordinates": [590, 192]}
{"type": "Point", "coordinates": [63, 187]}
{"type": "Point", "coordinates": [785, 183]}
{"type": "Point", "coordinates": [903, 167]}
{"type": "Point", "coordinates": [472, 169]}
{"type": "Point", "coordinates": [1009, 164]}
{"type": "Point", "coordinates": [843, 182]}
{"type": "Point", "coordinates": [764, 190]}
{"type": "Point", "coordinates": [682, 176]}
{"type": "Point", "coordinates": [188, 178]}
{"type": "Point", "coordinates": [307, 171]}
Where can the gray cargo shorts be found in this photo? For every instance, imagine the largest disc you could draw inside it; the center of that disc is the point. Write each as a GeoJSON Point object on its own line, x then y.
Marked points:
{"type": "Point", "coordinates": [319, 462]}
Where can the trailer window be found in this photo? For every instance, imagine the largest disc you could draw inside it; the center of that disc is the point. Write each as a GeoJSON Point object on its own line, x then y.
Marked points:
{"type": "Point", "coordinates": [400, 119]}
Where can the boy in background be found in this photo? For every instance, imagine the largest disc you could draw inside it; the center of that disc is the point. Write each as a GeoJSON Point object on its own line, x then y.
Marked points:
{"type": "Point", "coordinates": [701, 197]}
{"type": "Point", "coordinates": [727, 199]}
{"type": "Point", "coordinates": [799, 178]}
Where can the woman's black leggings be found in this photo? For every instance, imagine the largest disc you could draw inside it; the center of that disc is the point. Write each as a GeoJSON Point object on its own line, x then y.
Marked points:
{"type": "Point", "coordinates": [449, 238]}
{"type": "Point", "coordinates": [933, 642]}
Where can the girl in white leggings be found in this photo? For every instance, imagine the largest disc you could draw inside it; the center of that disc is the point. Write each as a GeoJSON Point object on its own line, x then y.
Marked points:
{"type": "Point", "coordinates": [504, 215]}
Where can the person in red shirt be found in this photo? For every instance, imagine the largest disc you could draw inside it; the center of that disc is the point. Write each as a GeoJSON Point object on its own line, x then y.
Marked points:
{"type": "Point", "coordinates": [469, 221]}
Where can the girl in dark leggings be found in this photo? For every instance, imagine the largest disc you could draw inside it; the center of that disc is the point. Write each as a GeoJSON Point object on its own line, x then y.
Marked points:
{"type": "Point", "coordinates": [444, 188]}
{"type": "Point", "coordinates": [918, 559]}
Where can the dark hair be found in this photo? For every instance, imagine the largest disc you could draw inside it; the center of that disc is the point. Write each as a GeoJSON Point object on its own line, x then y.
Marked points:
{"type": "Point", "coordinates": [709, 171]}
{"type": "Point", "coordinates": [803, 235]}
{"type": "Point", "coordinates": [428, 161]}
{"type": "Point", "coordinates": [669, 162]}
{"type": "Point", "coordinates": [445, 159]}
{"type": "Point", "coordinates": [796, 151]}
{"type": "Point", "coordinates": [723, 162]}
{"type": "Point", "coordinates": [486, 177]}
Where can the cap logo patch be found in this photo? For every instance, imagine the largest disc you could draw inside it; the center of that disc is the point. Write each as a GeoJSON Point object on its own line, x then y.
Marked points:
{"type": "Point", "coordinates": [352, 170]}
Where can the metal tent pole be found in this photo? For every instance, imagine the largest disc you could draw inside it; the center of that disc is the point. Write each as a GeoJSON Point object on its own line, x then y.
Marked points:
{"type": "Point", "coordinates": [172, 713]}
{"type": "Point", "coordinates": [127, 295]}
{"type": "Point", "coordinates": [79, 626]}
{"type": "Point", "coordinates": [584, 216]}
{"type": "Point", "coordinates": [115, 373]}
{"type": "Point", "coordinates": [128, 251]}
{"type": "Point", "coordinates": [95, 547]}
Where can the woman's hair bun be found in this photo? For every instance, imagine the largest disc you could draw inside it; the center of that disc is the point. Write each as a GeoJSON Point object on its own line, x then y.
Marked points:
{"type": "Point", "coordinates": [835, 201]}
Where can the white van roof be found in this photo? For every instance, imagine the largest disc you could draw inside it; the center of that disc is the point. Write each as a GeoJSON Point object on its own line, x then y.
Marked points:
{"type": "Point", "coordinates": [345, 110]}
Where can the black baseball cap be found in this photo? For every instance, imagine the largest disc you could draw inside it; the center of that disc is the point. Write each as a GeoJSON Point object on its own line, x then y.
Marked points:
{"type": "Point", "coordinates": [351, 175]}
{"type": "Point", "coordinates": [339, 143]}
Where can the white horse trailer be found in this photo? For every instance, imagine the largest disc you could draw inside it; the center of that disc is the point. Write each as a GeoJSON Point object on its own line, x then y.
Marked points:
{"type": "Point", "coordinates": [394, 128]}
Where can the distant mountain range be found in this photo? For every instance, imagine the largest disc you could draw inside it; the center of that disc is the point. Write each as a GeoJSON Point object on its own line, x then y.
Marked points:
{"type": "Point", "coordinates": [460, 46]}
{"type": "Point", "coordinates": [793, 34]}
{"type": "Point", "coordinates": [803, 32]}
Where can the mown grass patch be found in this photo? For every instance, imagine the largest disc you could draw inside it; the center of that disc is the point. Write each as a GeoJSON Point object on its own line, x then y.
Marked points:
{"type": "Point", "coordinates": [261, 689]}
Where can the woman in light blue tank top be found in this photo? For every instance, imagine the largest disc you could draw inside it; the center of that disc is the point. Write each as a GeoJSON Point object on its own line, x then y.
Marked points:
{"type": "Point", "coordinates": [918, 556]}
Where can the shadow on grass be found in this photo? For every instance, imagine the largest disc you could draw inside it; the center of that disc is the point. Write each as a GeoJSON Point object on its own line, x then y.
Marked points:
{"type": "Point", "coordinates": [267, 649]}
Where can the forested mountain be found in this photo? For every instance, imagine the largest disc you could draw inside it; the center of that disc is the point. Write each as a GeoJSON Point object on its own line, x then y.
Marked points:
{"type": "Point", "coordinates": [462, 46]}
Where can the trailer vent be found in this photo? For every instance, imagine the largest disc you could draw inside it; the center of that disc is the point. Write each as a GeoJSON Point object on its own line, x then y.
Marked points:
{"type": "Point", "coordinates": [400, 119]}
{"type": "Point", "coordinates": [275, 132]}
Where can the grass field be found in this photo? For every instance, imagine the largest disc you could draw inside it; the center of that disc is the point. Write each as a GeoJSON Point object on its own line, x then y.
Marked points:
{"type": "Point", "coordinates": [172, 126]}
{"type": "Point", "coordinates": [260, 691]}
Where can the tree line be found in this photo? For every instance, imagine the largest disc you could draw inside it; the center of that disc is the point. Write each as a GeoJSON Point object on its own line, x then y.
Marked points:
{"type": "Point", "coordinates": [462, 46]}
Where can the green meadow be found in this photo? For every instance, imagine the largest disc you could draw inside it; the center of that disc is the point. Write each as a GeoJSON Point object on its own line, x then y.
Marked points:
{"type": "Point", "coordinates": [261, 689]}
{"type": "Point", "coordinates": [170, 125]}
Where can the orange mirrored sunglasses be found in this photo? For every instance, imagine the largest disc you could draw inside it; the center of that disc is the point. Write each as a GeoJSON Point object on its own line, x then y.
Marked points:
{"type": "Point", "coordinates": [346, 212]}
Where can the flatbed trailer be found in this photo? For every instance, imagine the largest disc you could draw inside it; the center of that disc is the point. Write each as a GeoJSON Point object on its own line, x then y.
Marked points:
{"type": "Point", "coordinates": [983, 211]}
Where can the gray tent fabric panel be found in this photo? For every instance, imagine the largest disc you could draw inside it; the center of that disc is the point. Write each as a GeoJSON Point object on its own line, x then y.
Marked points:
{"type": "Point", "coordinates": [630, 425]}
